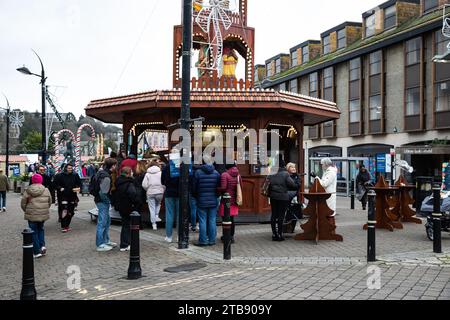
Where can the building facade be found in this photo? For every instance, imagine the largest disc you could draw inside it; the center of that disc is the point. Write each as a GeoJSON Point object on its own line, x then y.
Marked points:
{"type": "Point", "coordinates": [382, 76]}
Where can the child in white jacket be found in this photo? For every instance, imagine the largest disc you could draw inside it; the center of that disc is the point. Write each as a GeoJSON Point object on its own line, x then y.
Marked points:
{"type": "Point", "coordinates": [155, 191]}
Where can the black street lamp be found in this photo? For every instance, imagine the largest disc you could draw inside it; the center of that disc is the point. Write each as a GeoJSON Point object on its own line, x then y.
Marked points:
{"type": "Point", "coordinates": [26, 71]}
{"type": "Point", "coordinates": [8, 110]}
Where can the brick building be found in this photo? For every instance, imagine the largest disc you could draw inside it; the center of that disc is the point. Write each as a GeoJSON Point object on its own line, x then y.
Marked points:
{"type": "Point", "coordinates": [381, 75]}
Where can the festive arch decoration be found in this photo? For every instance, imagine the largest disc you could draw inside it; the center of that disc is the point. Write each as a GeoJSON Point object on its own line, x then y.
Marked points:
{"type": "Point", "coordinates": [58, 141]}
{"type": "Point", "coordinates": [78, 145]}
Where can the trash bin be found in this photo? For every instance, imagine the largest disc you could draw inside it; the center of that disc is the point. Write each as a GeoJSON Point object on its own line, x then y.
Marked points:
{"type": "Point", "coordinates": [424, 188]}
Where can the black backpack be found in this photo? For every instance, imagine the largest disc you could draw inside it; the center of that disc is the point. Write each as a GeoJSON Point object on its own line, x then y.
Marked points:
{"type": "Point", "coordinates": [94, 185]}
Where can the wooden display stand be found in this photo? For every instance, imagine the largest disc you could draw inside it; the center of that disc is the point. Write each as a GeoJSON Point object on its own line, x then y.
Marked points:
{"type": "Point", "coordinates": [402, 208]}
{"type": "Point", "coordinates": [318, 226]}
{"type": "Point", "coordinates": [385, 218]}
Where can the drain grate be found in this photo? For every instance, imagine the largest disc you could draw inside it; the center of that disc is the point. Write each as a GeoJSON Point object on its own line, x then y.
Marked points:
{"type": "Point", "coordinates": [186, 267]}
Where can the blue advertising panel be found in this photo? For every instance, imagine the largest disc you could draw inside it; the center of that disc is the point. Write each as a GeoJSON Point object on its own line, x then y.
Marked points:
{"type": "Point", "coordinates": [381, 163]}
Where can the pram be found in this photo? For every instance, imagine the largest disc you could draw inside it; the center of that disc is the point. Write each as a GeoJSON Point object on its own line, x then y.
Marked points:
{"type": "Point", "coordinates": [293, 214]}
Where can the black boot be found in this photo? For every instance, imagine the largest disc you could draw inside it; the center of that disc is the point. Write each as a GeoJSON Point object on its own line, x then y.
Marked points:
{"type": "Point", "coordinates": [274, 231]}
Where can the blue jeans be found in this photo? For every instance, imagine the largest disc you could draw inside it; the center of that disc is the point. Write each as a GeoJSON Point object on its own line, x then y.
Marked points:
{"type": "Point", "coordinates": [207, 223]}
{"type": "Point", "coordinates": [172, 211]}
{"type": "Point", "coordinates": [103, 223]}
{"type": "Point", "coordinates": [193, 205]}
{"type": "Point", "coordinates": [38, 236]}
{"type": "Point", "coordinates": [2, 199]}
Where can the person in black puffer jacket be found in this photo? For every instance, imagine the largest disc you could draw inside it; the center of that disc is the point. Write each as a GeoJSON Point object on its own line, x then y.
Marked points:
{"type": "Point", "coordinates": [280, 184]}
{"type": "Point", "coordinates": [128, 200]}
{"type": "Point", "coordinates": [68, 185]}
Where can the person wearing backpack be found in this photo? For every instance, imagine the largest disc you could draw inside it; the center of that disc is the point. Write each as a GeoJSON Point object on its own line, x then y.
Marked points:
{"type": "Point", "coordinates": [101, 189]}
{"type": "Point", "coordinates": [229, 181]}
{"type": "Point", "coordinates": [128, 200]}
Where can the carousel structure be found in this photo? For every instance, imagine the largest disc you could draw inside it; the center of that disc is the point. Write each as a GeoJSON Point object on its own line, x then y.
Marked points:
{"type": "Point", "coordinates": [224, 96]}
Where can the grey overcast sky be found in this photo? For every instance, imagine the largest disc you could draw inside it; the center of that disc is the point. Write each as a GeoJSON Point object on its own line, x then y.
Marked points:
{"type": "Point", "coordinates": [103, 48]}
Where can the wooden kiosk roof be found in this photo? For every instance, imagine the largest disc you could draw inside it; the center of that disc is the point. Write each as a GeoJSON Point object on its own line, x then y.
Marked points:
{"type": "Point", "coordinates": [314, 111]}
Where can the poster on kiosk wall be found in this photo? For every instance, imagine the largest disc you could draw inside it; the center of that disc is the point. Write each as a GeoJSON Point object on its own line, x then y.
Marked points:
{"type": "Point", "coordinates": [446, 176]}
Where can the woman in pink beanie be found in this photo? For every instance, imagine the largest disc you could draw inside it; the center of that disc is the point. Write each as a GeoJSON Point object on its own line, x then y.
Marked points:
{"type": "Point", "coordinates": [36, 202]}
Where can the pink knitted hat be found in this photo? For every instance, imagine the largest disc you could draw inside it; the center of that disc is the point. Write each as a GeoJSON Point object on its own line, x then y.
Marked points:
{"type": "Point", "coordinates": [37, 179]}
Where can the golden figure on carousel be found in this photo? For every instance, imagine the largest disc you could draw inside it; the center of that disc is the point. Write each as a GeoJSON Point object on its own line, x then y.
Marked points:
{"type": "Point", "coordinates": [230, 60]}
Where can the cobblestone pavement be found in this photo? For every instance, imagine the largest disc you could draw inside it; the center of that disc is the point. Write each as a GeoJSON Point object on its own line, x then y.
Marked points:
{"type": "Point", "coordinates": [259, 269]}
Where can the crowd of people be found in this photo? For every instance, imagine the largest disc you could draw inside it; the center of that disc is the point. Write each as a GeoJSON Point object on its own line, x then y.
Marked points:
{"type": "Point", "coordinates": [130, 185]}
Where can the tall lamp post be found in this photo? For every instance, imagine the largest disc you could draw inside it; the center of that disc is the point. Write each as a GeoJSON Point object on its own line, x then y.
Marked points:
{"type": "Point", "coordinates": [8, 111]}
{"type": "Point", "coordinates": [26, 71]}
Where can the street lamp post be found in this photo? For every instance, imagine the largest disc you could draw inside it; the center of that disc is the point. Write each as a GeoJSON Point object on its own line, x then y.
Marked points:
{"type": "Point", "coordinates": [26, 71]}
{"type": "Point", "coordinates": [8, 111]}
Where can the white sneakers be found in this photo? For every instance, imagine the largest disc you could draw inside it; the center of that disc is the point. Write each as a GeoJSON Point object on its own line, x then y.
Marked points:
{"type": "Point", "coordinates": [103, 248]}
{"type": "Point", "coordinates": [125, 249]}
{"type": "Point", "coordinates": [36, 256]}
{"type": "Point", "coordinates": [167, 239]}
{"type": "Point", "coordinates": [4, 209]}
{"type": "Point", "coordinates": [112, 244]}
{"type": "Point", "coordinates": [43, 251]}
{"type": "Point", "coordinates": [155, 227]}
{"type": "Point", "coordinates": [158, 219]}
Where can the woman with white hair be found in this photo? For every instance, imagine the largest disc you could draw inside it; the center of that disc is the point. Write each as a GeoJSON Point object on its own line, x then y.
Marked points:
{"type": "Point", "coordinates": [329, 182]}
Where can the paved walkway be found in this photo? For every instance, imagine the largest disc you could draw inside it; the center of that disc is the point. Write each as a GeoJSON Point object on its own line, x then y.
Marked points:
{"type": "Point", "coordinates": [259, 269]}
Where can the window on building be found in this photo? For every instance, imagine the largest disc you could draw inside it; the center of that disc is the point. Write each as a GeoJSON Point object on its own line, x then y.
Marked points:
{"type": "Point", "coordinates": [443, 96]}
{"type": "Point", "coordinates": [355, 94]}
{"type": "Point", "coordinates": [442, 84]}
{"type": "Point", "coordinates": [256, 79]}
{"type": "Point", "coordinates": [268, 70]}
{"type": "Point", "coordinates": [328, 84]}
{"type": "Point", "coordinates": [370, 26]}
{"type": "Point", "coordinates": [375, 91]}
{"type": "Point", "coordinates": [375, 107]}
{"type": "Point", "coordinates": [294, 58]}
{"type": "Point", "coordinates": [342, 39]}
{"type": "Point", "coordinates": [429, 5]}
{"type": "Point", "coordinates": [277, 66]}
{"type": "Point", "coordinates": [355, 69]}
{"type": "Point", "coordinates": [413, 102]}
{"type": "Point", "coordinates": [355, 111]}
{"type": "Point", "coordinates": [413, 51]}
{"type": "Point", "coordinates": [305, 54]}
{"type": "Point", "coordinates": [326, 44]}
{"type": "Point", "coordinates": [283, 86]}
{"type": "Point", "coordinates": [390, 17]}
{"type": "Point", "coordinates": [375, 62]}
{"type": "Point", "coordinates": [412, 82]}
{"type": "Point", "coordinates": [293, 86]}
{"type": "Point", "coordinates": [314, 85]}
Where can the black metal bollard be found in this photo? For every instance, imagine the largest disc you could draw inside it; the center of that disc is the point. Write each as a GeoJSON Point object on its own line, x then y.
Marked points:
{"type": "Point", "coordinates": [226, 227]}
{"type": "Point", "coordinates": [437, 245]}
{"type": "Point", "coordinates": [134, 269]}
{"type": "Point", "coordinates": [28, 290]}
{"type": "Point", "coordinates": [352, 195]}
{"type": "Point", "coordinates": [371, 222]}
